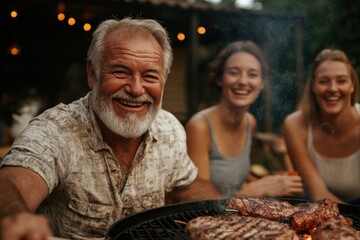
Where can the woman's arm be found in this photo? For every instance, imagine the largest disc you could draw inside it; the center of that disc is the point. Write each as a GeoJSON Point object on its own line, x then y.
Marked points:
{"type": "Point", "coordinates": [295, 133]}
{"type": "Point", "coordinates": [198, 145]}
{"type": "Point", "coordinates": [273, 186]}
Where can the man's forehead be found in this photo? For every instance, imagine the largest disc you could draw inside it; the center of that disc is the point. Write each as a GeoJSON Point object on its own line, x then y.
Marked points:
{"type": "Point", "coordinates": [137, 39]}
{"type": "Point", "coordinates": [131, 32]}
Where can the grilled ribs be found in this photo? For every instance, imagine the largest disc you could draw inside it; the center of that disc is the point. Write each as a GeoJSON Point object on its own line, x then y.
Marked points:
{"type": "Point", "coordinates": [229, 227]}
{"type": "Point", "coordinates": [336, 228]}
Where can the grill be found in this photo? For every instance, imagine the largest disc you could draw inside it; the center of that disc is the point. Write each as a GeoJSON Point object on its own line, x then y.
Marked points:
{"type": "Point", "coordinates": [165, 222]}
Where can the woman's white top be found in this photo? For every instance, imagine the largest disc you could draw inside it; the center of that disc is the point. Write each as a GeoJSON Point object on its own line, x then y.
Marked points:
{"type": "Point", "coordinates": [341, 175]}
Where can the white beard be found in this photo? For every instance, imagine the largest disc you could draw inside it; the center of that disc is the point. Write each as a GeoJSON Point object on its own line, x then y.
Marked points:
{"type": "Point", "coordinates": [129, 126]}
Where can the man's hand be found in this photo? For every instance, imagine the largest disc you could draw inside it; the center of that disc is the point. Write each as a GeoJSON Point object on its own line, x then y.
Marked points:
{"type": "Point", "coordinates": [25, 226]}
{"type": "Point", "coordinates": [198, 190]}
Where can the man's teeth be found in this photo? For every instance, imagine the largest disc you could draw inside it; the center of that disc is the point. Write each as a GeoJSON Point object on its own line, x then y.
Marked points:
{"type": "Point", "coordinates": [132, 104]}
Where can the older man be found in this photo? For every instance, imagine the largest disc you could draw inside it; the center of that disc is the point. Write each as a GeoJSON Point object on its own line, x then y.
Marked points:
{"type": "Point", "coordinates": [106, 156]}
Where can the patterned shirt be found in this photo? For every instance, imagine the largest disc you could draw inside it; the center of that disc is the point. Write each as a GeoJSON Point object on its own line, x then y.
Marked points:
{"type": "Point", "coordinates": [87, 191]}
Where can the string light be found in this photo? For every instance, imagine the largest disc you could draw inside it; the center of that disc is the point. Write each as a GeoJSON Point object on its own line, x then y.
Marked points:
{"type": "Point", "coordinates": [87, 27]}
{"type": "Point", "coordinates": [13, 14]}
{"type": "Point", "coordinates": [201, 30]}
{"type": "Point", "coordinates": [181, 36]}
{"type": "Point", "coordinates": [14, 50]}
{"type": "Point", "coordinates": [71, 21]}
{"type": "Point", "coordinates": [61, 17]}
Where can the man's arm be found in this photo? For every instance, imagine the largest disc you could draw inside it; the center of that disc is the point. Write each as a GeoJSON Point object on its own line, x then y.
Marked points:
{"type": "Point", "coordinates": [11, 200]}
{"type": "Point", "coordinates": [22, 191]}
{"type": "Point", "coordinates": [198, 190]}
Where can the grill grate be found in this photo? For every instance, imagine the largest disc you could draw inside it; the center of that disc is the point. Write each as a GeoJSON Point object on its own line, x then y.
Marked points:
{"type": "Point", "coordinates": [165, 228]}
{"type": "Point", "coordinates": [164, 223]}
{"type": "Point", "coordinates": [352, 212]}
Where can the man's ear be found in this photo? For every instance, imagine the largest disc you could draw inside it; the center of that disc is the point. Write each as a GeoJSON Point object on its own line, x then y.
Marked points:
{"type": "Point", "coordinates": [90, 74]}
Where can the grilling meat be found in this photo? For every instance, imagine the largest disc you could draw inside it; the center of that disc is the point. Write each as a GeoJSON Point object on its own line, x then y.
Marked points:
{"type": "Point", "coordinates": [303, 217]}
{"type": "Point", "coordinates": [229, 227]}
{"type": "Point", "coordinates": [309, 215]}
{"type": "Point", "coordinates": [261, 207]}
{"type": "Point", "coordinates": [336, 228]}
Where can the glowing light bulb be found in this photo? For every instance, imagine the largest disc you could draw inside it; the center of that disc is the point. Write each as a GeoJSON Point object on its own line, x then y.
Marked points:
{"type": "Point", "coordinates": [87, 27]}
{"type": "Point", "coordinates": [181, 36]}
{"type": "Point", "coordinates": [71, 21]}
{"type": "Point", "coordinates": [14, 50]}
{"type": "Point", "coordinates": [61, 17]}
{"type": "Point", "coordinates": [13, 14]}
{"type": "Point", "coordinates": [201, 30]}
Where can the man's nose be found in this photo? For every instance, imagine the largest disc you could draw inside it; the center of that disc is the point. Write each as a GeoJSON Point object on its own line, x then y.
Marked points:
{"type": "Point", "coordinates": [135, 86]}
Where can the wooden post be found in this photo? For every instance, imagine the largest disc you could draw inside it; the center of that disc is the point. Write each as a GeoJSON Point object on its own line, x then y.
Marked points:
{"type": "Point", "coordinates": [192, 82]}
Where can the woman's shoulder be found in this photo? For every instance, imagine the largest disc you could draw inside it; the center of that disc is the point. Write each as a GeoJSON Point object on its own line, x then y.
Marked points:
{"type": "Point", "coordinates": [295, 122]}
{"type": "Point", "coordinates": [202, 116]}
{"type": "Point", "coordinates": [252, 120]}
{"type": "Point", "coordinates": [296, 117]}
{"type": "Point", "coordinates": [200, 120]}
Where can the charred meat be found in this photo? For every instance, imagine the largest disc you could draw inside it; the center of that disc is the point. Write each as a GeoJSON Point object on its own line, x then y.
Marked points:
{"type": "Point", "coordinates": [261, 207]}
{"type": "Point", "coordinates": [311, 214]}
{"type": "Point", "coordinates": [336, 228]}
{"type": "Point", "coordinates": [229, 227]}
{"type": "Point", "coordinates": [303, 216]}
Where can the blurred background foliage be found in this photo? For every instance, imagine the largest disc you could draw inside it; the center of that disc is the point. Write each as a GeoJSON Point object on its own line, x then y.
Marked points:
{"type": "Point", "coordinates": [327, 23]}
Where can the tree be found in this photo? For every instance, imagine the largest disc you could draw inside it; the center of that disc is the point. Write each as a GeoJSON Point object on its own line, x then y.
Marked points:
{"type": "Point", "coordinates": [328, 23]}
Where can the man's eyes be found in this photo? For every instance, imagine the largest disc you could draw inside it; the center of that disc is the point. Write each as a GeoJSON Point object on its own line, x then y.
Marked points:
{"type": "Point", "coordinates": [146, 77]}
{"type": "Point", "coordinates": [120, 73]}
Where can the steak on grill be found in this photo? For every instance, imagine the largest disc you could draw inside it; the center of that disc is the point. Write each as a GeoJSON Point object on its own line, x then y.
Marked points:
{"type": "Point", "coordinates": [311, 214]}
{"type": "Point", "coordinates": [261, 207]}
{"type": "Point", "coordinates": [229, 227]}
{"type": "Point", "coordinates": [336, 228]}
{"type": "Point", "coordinates": [303, 217]}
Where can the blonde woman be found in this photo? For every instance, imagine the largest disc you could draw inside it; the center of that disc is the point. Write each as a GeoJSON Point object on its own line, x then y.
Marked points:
{"type": "Point", "coordinates": [323, 136]}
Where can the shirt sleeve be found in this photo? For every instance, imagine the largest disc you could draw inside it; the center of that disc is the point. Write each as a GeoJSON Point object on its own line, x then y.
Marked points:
{"type": "Point", "coordinates": [187, 174]}
{"type": "Point", "coordinates": [37, 148]}
{"type": "Point", "coordinates": [184, 170]}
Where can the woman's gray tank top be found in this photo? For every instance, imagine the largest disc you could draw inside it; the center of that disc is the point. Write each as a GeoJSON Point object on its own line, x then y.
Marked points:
{"type": "Point", "coordinates": [228, 174]}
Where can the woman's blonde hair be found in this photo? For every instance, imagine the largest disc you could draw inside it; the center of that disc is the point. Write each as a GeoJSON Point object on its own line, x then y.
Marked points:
{"type": "Point", "coordinates": [308, 103]}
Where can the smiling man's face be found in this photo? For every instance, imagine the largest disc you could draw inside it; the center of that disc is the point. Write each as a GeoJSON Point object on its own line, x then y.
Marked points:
{"type": "Point", "coordinates": [128, 93]}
